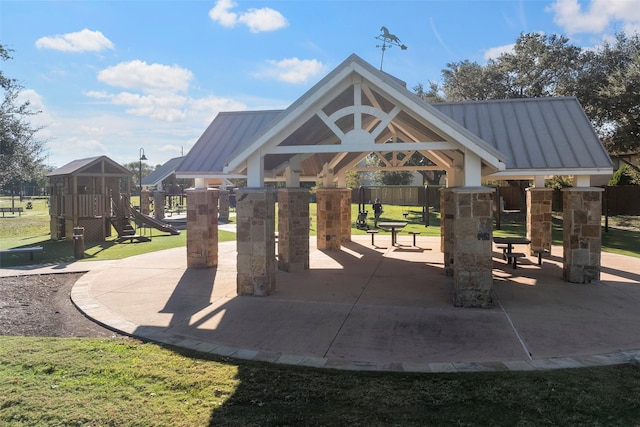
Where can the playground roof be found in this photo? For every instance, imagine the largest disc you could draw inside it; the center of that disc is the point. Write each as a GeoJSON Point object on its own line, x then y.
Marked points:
{"type": "Point", "coordinates": [92, 166]}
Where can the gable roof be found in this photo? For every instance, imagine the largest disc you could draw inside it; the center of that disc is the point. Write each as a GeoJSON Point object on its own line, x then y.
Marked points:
{"type": "Point", "coordinates": [514, 137]}
{"type": "Point", "coordinates": [162, 172]}
{"type": "Point", "coordinates": [92, 166]}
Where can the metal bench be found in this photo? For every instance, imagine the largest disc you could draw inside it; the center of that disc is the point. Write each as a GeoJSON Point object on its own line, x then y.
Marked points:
{"type": "Point", "coordinates": [540, 252]}
{"type": "Point", "coordinates": [514, 256]}
{"type": "Point", "coordinates": [414, 233]}
{"type": "Point", "coordinates": [30, 251]}
{"type": "Point", "coordinates": [11, 210]}
{"type": "Point", "coordinates": [373, 233]}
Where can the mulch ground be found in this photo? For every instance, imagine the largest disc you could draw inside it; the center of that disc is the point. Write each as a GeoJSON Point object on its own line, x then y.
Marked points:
{"type": "Point", "coordinates": [40, 305]}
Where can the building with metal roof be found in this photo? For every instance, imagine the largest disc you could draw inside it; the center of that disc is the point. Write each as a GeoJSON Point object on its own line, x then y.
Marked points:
{"type": "Point", "coordinates": [356, 110]}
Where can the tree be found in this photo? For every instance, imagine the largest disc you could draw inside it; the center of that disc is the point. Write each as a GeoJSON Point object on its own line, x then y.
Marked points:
{"type": "Point", "coordinates": [135, 168]}
{"type": "Point", "coordinates": [20, 149]}
{"type": "Point", "coordinates": [606, 81]}
{"type": "Point", "coordinates": [609, 90]}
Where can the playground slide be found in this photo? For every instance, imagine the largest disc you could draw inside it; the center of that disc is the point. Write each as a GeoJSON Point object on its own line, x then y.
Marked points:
{"type": "Point", "coordinates": [152, 222]}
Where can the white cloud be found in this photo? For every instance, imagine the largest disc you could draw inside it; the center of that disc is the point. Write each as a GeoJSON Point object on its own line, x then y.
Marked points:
{"type": "Point", "coordinates": [81, 41]}
{"type": "Point", "coordinates": [595, 17]}
{"type": "Point", "coordinates": [148, 78]}
{"type": "Point", "coordinates": [258, 20]}
{"type": "Point", "coordinates": [292, 70]}
{"type": "Point", "coordinates": [495, 52]}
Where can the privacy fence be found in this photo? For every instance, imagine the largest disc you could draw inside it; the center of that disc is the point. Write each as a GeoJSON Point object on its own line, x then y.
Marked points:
{"type": "Point", "coordinates": [619, 200]}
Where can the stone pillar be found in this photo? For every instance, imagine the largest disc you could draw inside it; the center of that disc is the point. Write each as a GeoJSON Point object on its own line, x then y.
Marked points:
{"type": "Point", "coordinates": [202, 228]}
{"type": "Point", "coordinates": [447, 208]}
{"type": "Point", "coordinates": [293, 229]}
{"type": "Point", "coordinates": [223, 206]}
{"type": "Point", "coordinates": [539, 218]}
{"type": "Point", "coordinates": [256, 261]}
{"type": "Point", "coordinates": [581, 238]}
{"type": "Point", "coordinates": [144, 202]}
{"type": "Point", "coordinates": [472, 249]}
{"type": "Point", "coordinates": [345, 215]}
{"type": "Point", "coordinates": [158, 203]}
{"type": "Point", "coordinates": [329, 210]}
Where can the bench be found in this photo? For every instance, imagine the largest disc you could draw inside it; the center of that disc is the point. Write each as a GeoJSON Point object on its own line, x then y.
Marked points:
{"type": "Point", "coordinates": [504, 250]}
{"type": "Point", "coordinates": [514, 256]}
{"type": "Point", "coordinates": [30, 251]}
{"type": "Point", "coordinates": [373, 233]}
{"type": "Point", "coordinates": [11, 210]}
{"type": "Point", "coordinates": [540, 252]}
{"type": "Point", "coordinates": [414, 233]}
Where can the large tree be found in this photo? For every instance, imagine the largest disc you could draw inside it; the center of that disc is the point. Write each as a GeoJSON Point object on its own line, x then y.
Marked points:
{"type": "Point", "coordinates": [605, 80]}
{"type": "Point", "coordinates": [609, 90]}
{"type": "Point", "coordinates": [20, 149]}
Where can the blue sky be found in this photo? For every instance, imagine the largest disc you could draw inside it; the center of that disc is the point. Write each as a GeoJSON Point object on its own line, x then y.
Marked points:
{"type": "Point", "coordinates": [111, 77]}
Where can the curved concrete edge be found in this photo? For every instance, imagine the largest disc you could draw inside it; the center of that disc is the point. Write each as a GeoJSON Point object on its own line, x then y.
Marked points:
{"type": "Point", "coordinates": [82, 299]}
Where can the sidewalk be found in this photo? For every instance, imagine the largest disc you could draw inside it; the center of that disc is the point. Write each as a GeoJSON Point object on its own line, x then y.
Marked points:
{"type": "Point", "coordinates": [374, 308]}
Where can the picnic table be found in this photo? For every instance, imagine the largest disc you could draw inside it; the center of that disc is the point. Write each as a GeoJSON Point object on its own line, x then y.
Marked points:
{"type": "Point", "coordinates": [507, 249]}
{"type": "Point", "coordinates": [394, 227]}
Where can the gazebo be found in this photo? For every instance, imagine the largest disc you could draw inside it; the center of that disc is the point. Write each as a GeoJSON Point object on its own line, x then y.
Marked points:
{"type": "Point", "coordinates": [356, 110]}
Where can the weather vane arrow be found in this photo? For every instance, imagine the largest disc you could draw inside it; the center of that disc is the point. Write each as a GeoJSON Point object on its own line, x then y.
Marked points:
{"type": "Point", "coordinates": [388, 41]}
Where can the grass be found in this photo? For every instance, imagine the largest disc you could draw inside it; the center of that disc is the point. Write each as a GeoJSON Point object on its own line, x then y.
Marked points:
{"type": "Point", "coordinates": [32, 229]}
{"type": "Point", "coordinates": [124, 382]}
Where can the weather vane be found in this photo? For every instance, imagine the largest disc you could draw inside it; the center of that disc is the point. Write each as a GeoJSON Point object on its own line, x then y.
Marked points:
{"type": "Point", "coordinates": [388, 41]}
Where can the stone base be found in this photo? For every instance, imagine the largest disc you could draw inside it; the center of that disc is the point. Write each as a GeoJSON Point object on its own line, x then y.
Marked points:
{"type": "Point", "coordinates": [256, 259]}
{"type": "Point", "coordinates": [472, 260]}
{"type": "Point", "coordinates": [202, 228]}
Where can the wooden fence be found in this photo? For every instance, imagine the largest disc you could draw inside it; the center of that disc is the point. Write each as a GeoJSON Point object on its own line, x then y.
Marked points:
{"type": "Point", "coordinates": [619, 200]}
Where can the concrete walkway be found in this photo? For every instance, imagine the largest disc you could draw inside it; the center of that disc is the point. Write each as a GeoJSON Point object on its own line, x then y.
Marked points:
{"type": "Point", "coordinates": [374, 308]}
{"type": "Point", "coordinates": [369, 308]}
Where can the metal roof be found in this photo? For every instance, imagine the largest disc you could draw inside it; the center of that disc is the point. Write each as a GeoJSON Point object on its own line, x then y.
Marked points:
{"type": "Point", "coordinates": [532, 137]}
{"type": "Point", "coordinates": [535, 134]}
{"type": "Point", "coordinates": [87, 165]}
{"type": "Point", "coordinates": [162, 172]}
{"type": "Point", "coordinates": [227, 132]}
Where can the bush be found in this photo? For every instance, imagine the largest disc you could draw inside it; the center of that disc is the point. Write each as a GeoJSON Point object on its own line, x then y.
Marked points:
{"type": "Point", "coordinates": [625, 175]}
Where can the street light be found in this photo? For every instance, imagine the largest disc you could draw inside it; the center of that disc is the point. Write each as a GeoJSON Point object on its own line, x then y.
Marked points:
{"type": "Point", "coordinates": [142, 157]}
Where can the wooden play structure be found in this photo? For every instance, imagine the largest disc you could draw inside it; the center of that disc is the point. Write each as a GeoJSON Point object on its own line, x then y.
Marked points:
{"type": "Point", "coordinates": [93, 193]}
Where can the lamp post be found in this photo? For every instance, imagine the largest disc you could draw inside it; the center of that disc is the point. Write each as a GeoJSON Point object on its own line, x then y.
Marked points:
{"type": "Point", "coordinates": [142, 157]}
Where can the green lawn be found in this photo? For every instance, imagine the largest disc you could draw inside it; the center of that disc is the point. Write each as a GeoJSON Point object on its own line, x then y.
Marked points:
{"type": "Point", "coordinates": [124, 382]}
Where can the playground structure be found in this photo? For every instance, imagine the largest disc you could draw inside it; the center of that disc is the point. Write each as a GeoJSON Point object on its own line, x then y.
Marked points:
{"type": "Point", "coordinates": [88, 194]}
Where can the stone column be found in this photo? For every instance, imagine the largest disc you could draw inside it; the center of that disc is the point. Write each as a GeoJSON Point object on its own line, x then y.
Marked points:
{"type": "Point", "coordinates": [539, 218]}
{"type": "Point", "coordinates": [329, 209]}
{"type": "Point", "coordinates": [345, 215]}
{"type": "Point", "coordinates": [581, 238]}
{"type": "Point", "coordinates": [223, 206]}
{"type": "Point", "coordinates": [158, 203]}
{"type": "Point", "coordinates": [202, 228]}
{"type": "Point", "coordinates": [293, 229]}
{"type": "Point", "coordinates": [256, 261]}
{"type": "Point", "coordinates": [144, 202]}
{"type": "Point", "coordinates": [472, 255]}
{"type": "Point", "coordinates": [447, 208]}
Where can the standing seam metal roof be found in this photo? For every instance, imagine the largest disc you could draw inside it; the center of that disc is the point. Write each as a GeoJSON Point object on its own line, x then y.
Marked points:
{"type": "Point", "coordinates": [534, 133]}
